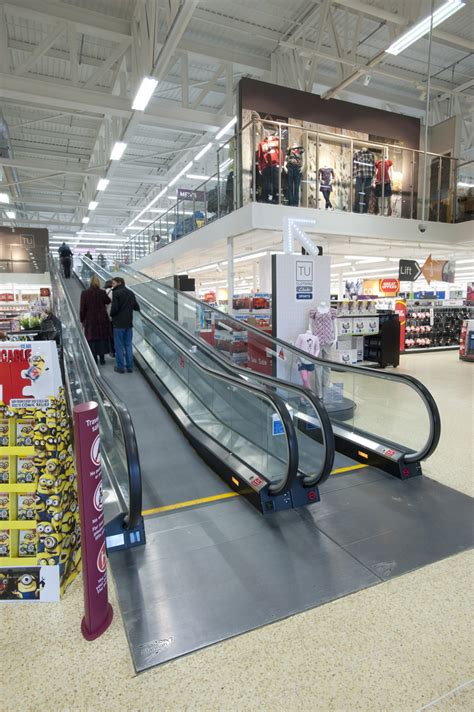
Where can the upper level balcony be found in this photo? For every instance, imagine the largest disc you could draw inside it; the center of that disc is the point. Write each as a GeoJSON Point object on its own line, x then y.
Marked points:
{"type": "Point", "coordinates": [328, 177]}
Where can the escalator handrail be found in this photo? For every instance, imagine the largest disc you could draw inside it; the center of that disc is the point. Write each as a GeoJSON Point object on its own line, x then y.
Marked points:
{"type": "Point", "coordinates": [133, 518]}
{"type": "Point", "coordinates": [326, 425]}
{"type": "Point", "coordinates": [258, 391]}
{"type": "Point", "coordinates": [423, 392]}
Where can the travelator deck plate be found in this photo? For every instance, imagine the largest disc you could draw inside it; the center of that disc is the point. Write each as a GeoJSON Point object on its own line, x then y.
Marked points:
{"type": "Point", "coordinates": [213, 571]}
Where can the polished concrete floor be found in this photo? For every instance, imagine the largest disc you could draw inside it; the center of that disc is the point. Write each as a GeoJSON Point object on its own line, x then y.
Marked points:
{"type": "Point", "coordinates": [406, 644]}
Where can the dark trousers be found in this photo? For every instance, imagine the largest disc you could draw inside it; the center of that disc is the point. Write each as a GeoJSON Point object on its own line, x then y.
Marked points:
{"type": "Point", "coordinates": [362, 194]}
{"type": "Point", "coordinates": [123, 348]}
{"type": "Point", "coordinates": [270, 184]}
{"type": "Point", "coordinates": [327, 193]}
{"type": "Point", "coordinates": [66, 265]}
{"type": "Point", "coordinates": [294, 182]}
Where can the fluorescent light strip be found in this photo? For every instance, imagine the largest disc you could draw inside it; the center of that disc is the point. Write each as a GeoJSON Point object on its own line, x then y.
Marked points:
{"type": "Point", "coordinates": [10, 214]}
{"type": "Point", "coordinates": [84, 232]}
{"type": "Point", "coordinates": [118, 150]}
{"type": "Point", "coordinates": [144, 93]}
{"type": "Point", "coordinates": [103, 183]}
{"type": "Point", "coordinates": [226, 128]}
{"type": "Point", "coordinates": [341, 264]}
{"type": "Point", "coordinates": [4, 198]}
{"type": "Point", "coordinates": [181, 173]}
{"type": "Point", "coordinates": [203, 151]}
{"type": "Point", "coordinates": [93, 204]}
{"type": "Point", "coordinates": [462, 184]}
{"type": "Point", "coordinates": [202, 269]}
{"type": "Point", "coordinates": [464, 262]}
{"type": "Point", "coordinates": [146, 208]}
{"type": "Point", "coordinates": [85, 220]}
{"type": "Point", "coordinates": [195, 176]}
{"type": "Point", "coordinates": [423, 27]}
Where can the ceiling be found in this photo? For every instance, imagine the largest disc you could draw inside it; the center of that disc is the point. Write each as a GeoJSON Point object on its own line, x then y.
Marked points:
{"type": "Point", "coordinates": [69, 70]}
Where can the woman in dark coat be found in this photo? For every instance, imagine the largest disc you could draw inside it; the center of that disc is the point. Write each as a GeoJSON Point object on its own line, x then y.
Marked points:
{"type": "Point", "coordinates": [95, 320]}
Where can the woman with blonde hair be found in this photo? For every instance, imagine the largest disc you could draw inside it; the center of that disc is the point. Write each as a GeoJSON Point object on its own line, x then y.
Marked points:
{"type": "Point", "coordinates": [95, 320]}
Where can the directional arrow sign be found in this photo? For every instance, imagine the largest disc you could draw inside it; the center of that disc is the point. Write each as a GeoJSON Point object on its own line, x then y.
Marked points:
{"type": "Point", "coordinates": [292, 231]}
{"type": "Point", "coordinates": [439, 270]}
{"type": "Point", "coordinates": [408, 270]}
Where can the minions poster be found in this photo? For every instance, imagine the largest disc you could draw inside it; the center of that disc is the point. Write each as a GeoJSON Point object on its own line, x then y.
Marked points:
{"type": "Point", "coordinates": [39, 530]}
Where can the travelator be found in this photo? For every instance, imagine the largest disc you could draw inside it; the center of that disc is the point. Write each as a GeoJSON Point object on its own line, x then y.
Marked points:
{"type": "Point", "coordinates": [243, 429]}
{"type": "Point", "coordinates": [380, 418]}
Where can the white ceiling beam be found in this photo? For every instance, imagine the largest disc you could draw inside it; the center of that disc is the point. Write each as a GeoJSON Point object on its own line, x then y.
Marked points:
{"type": "Point", "coordinates": [173, 38]}
{"type": "Point", "coordinates": [184, 66]}
{"type": "Point", "coordinates": [87, 22]}
{"type": "Point", "coordinates": [43, 46]}
{"type": "Point", "coordinates": [241, 26]}
{"type": "Point", "coordinates": [313, 67]}
{"type": "Point", "coordinates": [51, 94]}
{"type": "Point", "coordinates": [108, 64]}
{"type": "Point", "coordinates": [401, 21]}
{"type": "Point", "coordinates": [242, 59]}
{"type": "Point", "coordinates": [72, 37]}
{"type": "Point", "coordinates": [211, 82]}
{"type": "Point", "coordinates": [4, 53]}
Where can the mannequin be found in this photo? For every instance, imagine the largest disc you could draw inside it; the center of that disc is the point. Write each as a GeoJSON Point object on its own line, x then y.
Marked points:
{"type": "Point", "coordinates": [363, 169]}
{"type": "Point", "coordinates": [268, 161]}
{"type": "Point", "coordinates": [387, 184]}
{"type": "Point", "coordinates": [309, 343]}
{"type": "Point", "coordinates": [322, 326]}
{"type": "Point", "coordinates": [294, 166]}
{"type": "Point", "coordinates": [326, 176]}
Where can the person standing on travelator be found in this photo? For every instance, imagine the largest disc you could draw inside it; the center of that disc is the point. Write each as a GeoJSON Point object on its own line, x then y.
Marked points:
{"type": "Point", "coordinates": [65, 257]}
{"type": "Point", "coordinates": [124, 303]}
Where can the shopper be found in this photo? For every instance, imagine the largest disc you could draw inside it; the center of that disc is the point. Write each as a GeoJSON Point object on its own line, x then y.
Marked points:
{"type": "Point", "coordinates": [65, 257]}
{"type": "Point", "coordinates": [124, 304]}
{"type": "Point", "coordinates": [95, 320]}
{"type": "Point", "coordinates": [108, 290]}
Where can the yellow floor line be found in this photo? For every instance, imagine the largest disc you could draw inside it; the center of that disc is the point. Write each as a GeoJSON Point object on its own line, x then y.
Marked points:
{"type": "Point", "coordinates": [189, 503]}
{"type": "Point", "coordinates": [217, 497]}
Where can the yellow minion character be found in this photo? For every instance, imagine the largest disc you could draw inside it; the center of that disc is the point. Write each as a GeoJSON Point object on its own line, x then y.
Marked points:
{"type": "Point", "coordinates": [52, 466]}
{"type": "Point", "coordinates": [51, 544]}
{"type": "Point", "coordinates": [4, 543]}
{"type": "Point", "coordinates": [50, 443]}
{"type": "Point", "coordinates": [26, 434]}
{"type": "Point", "coordinates": [45, 484]}
{"type": "Point", "coordinates": [4, 470]}
{"type": "Point", "coordinates": [68, 522]}
{"type": "Point", "coordinates": [37, 367]}
{"type": "Point", "coordinates": [4, 506]}
{"type": "Point", "coordinates": [4, 582]}
{"type": "Point", "coordinates": [27, 472]}
{"type": "Point", "coordinates": [26, 587]}
{"type": "Point", "coordinates": [62, 456]}
{"type": "Point", "coordinates": [3, 434]}
{"type": "Point", "coordinates": [28, 545]}
{"type": "Point", "coordinates": [26, 509]}
{"type": "Point", "coordinates": [53, 504]}
{"type": "Point", "coordinates": [47, 561]}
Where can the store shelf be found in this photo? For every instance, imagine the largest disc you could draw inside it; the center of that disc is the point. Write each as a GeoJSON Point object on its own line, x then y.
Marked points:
{"type": "Point", "coordinates": [452, 347]}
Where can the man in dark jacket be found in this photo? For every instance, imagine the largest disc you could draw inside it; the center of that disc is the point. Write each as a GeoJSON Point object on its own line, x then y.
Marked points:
{"type": "Point", "coordinates": [65, 256]}
{"type": "Point", "coordinates": [124, 304]}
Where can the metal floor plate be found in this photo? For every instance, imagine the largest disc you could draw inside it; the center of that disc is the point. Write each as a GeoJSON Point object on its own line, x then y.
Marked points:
{"type": "Point", "coordinates": [210, 573]}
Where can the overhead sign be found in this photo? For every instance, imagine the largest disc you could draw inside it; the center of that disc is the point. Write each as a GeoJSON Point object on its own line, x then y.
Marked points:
{"type": "Point", "coordinates": [304, 279]}
{"type": "Point", "coordinates": [185, 194]}
{"type": "Point", "coordinates": [408, 270]}
{"type": "Point", "coordinates": [438, 270]}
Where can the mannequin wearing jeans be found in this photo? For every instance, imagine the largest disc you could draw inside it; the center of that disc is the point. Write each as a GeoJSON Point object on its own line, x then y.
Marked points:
{"type": "Point", "coordinates": [268, 161]}
{"type": "Point", "coordinates": [322, 326]}
{"type": "Point", "coordinates": [363, 169]}
{"type": "Point", "coordinates": [294, 165]}
{"type": "Point", "coordinates": [309, 343]}
{"type": "Point", "coordinates": [326, 176]}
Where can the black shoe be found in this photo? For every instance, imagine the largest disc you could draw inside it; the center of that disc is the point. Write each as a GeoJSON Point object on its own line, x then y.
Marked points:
{"type": "Point", "coordinates": [102, 361]}
{"type": "Point", "coordinates": [119, 370]}
{"type": "Point", "coordinates": [129, 370]}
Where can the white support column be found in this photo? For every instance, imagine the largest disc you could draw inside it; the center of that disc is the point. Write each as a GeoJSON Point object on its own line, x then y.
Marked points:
{"type": "Point", "coordinates": [230, 274]}
{"type": "Point", "coordinates": [4, 54]}
{"type": "Point", "coordinates": [185, 80]}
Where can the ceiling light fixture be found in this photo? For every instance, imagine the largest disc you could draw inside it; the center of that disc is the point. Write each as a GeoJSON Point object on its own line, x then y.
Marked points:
{"type": "Point", "coordinates": [118, 151]}
{"type": "Point", "coordinates": [144, 93]}
{"type": "Point", "coordinates": [226, 128]}
{"type": "Point", "coordinates": [195, 176]}
{"type": "Point", "coordinates": [4, 198]}
{"type": "Point", "coordinates": [146, 208]}
{"type": "Point", "coordinates": [103, 183]}
{"type": "Point", "coordinates": [423, 27]}
{"type": "Point", "coordinates": [85, 220]}
{"type": "Point", "coordinates": [93, 204]}
{"type": "Point", "coordinates": [10, 214]}
{"type": "Point", "coordinates": [181, 173]}
{"type": "Point", "coordinates": [84, 232]}
{"type": "Point", "coordinates": [203, 152]}
{"type": "Point", "coordinates": [202, 269]}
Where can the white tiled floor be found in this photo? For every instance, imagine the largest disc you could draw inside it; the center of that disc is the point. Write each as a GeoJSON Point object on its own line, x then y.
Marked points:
{"type": "Point", "coordinates": [403, 645]}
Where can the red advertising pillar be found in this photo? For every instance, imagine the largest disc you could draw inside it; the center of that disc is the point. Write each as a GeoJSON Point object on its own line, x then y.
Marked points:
{"type": "Point", "coordinates": [401, 309]}
{"type": "Point", "coordinates": [98, 612]}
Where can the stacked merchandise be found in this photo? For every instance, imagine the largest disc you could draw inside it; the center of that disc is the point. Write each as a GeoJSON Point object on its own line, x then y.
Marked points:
{"type": "Point", "coordinates": [383, 349]}
{"type": "Point", "coordinates": [355, 319]}
{"type": "Point", "coordinates": [418, 327]}
{"type": "Point", "coordinates": [466, 346]}
{"type": "Point", "coordinates": [232, 342]}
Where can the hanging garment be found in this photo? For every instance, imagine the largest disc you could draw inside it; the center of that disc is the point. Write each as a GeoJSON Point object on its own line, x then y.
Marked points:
{"type": "Point", "coordinates": [309, 343]}
{"type": "Point", "coordinates": [294, 156]}
{"type": "Point", "coordinates": [268, 152]}
{"type": "Point", "coordinates": [378, 175]}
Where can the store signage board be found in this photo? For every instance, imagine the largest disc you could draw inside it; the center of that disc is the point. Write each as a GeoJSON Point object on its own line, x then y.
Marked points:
{"type": "Point", "coordinates": [186, 194]}
{"type": "Point", "coordinates": [304, 279]}
{"type": "Point", "coordinates": [28, 369]}
{"type": "Point", "coordinates": [408, 270]}
{"type": "Point", "coordinates": [389, 287]}
{"type": "Point", "coordinates": [439, 270]}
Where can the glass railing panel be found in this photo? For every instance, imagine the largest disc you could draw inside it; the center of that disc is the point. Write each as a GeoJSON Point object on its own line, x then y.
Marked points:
{"type": "Point", "coordinates": [333, 172]}
{"type": "Point", "coordinates": [465, 192]}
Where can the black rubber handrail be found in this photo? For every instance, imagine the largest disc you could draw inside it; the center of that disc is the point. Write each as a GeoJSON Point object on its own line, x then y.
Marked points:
{"type": "Point", "coordinates": [430, 404]}
{"type": "Point", "coordinates": [258, 391]}
{"type": "Point", "coordinates": [133, 518]}
{"type": "Point", "coordinates": [326, 425]}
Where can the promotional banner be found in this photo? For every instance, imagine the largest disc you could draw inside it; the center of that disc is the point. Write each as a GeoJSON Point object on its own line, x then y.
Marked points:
{"type": "Point", "coordinates": [401, 309]}
{"type": "Point", "coordinates": [389, 287]}
{"type": "Point", "coordinates": [186, 194]}
{"type": "Point", "coordinates": [98, 612]}
{"type": "Point", "coordinates": [28, 369]}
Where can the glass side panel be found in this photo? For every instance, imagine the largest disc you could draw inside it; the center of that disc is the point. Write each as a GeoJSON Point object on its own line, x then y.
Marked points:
{"type": "Point", "coordinates": [382, 406]}
{"type": "Point", "coordinates": [465, 192]}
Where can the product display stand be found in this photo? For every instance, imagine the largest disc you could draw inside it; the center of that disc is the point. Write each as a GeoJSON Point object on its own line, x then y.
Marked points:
{"type": "Point", "coordinates": [384, 347]}
{"type": "Point", "coordinates": [466, 345]}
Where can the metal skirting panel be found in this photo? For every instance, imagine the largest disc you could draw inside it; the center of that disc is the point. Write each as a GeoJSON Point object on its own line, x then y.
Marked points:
{"type": "Point", "coordinates": [212, 572]}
